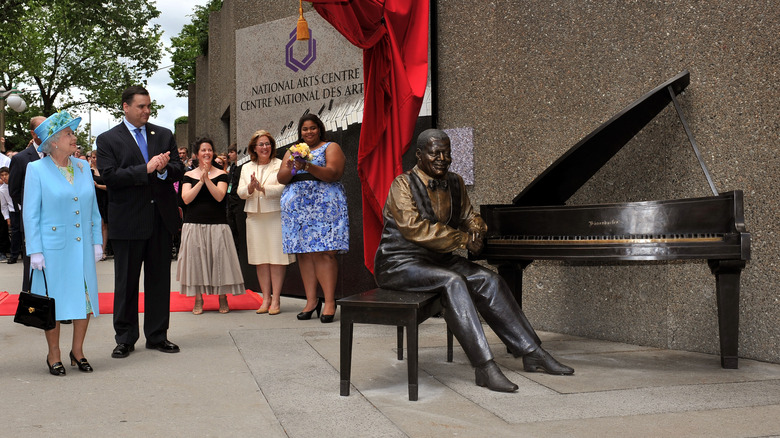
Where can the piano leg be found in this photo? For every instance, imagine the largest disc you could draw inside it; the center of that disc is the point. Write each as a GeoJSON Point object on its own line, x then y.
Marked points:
{"type": "Point", "coordinates": [727, 273]}
{"type": "Point", "coordinates": [512, 273]}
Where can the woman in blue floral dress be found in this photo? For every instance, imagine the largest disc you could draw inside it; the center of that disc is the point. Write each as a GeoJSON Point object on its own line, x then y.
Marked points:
{"type": "Point", "coordinates": [315, 223]}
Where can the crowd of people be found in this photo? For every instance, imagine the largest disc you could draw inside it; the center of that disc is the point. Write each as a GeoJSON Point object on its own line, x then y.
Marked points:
{"type": "Point", "coordinates": [209, 207]}
{"type": "Point", "coordinates": [137, 196]}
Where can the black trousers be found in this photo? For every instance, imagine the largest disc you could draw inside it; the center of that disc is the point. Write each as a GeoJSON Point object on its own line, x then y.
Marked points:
{"type": "Point", "coordinates": [154, 254]}
{"type": "Point", "coordinates": [236, 219]}
{"type": "Point", "coordinates": [468, 289]}
{"type": "Point", "coordinates": [5, 236]}
{"type": "Point", "coordinates": [16, 233]}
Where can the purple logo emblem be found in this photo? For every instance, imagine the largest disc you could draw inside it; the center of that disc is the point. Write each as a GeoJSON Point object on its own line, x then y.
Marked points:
{"type": "Point", "coordinates": [302, 64]}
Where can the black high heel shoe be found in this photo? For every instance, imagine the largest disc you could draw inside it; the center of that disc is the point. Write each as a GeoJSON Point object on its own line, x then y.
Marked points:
{"type": "Point", "coordinates": [56, 369]}
{"type": "Point", "coordinates": [307, 315]}
{"type": "Point", "coordinates": [83, 364]}
{"type": "Point", "coordinates": [327, 318]}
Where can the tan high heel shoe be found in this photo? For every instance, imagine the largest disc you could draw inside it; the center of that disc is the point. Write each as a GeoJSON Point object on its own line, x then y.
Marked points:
{"type": "Point", "coordinates": [223, 304]}
{"type": "Point", "coordinates": [198, 309]}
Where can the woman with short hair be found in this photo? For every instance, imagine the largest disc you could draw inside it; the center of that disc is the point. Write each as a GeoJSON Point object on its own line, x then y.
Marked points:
{"type": "Point", "coordinates": [63, 234]}
{"type": "Point", "coordinates": [208, 262]}
{"type": "Point", "coordinates": [262, 191]}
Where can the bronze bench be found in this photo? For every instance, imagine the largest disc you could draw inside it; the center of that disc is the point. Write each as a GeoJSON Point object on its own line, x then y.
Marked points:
{"type": "Point", "coordinates": [388, 307]}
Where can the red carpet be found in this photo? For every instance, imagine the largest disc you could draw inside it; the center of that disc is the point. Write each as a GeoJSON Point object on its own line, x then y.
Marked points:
{"type": "Point", "coordinates": [179, 303]}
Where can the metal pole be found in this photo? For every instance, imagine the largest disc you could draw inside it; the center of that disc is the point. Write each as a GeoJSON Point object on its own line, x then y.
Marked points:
{"type": "Point", "coordinates": [2, 119]}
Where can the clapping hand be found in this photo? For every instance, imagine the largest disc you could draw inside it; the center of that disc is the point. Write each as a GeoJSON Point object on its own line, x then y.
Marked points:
{"type": "Point", "coordinates": [162, 160]}
{"type": "Point", "coordinates": [204, 173]}
{"type": "Point", "coordinates": [158, 162]}
{"type": "Point", "coordinates": [254, 184]}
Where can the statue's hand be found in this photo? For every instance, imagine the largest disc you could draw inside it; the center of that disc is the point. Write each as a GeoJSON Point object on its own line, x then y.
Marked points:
{"type": "Point", "coordinates": [475, 242]}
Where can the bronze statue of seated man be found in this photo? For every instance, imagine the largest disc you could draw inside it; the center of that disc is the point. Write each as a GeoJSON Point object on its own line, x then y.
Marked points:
{"type": "Point", "coordinates": [427, 216]}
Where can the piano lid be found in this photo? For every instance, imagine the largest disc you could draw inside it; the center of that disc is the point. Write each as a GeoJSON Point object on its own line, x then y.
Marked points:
{"type": "Point", "coordinates": [568, 173]}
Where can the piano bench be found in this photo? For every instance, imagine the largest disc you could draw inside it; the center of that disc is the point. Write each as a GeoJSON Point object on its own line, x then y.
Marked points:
{"type": "Point", "coordinates": [388, 307]}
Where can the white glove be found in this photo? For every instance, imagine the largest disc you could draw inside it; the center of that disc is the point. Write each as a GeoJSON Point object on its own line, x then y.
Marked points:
{"type": "Point", "coordinates": [37, 262]}
{"type": "Point", "coordinates": [98, 253]}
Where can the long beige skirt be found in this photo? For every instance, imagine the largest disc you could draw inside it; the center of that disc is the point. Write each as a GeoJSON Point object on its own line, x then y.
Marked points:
{"type": "Point", "coordinates": [264, 239]}
{"type": "Point", "coordinates": [208, 262]}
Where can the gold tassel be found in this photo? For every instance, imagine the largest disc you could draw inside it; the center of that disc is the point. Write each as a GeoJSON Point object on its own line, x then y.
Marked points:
{"type": "Point", "coordinates": [303, 26]}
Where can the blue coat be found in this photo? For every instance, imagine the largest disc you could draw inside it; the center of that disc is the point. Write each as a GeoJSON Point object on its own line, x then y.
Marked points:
{"type": "Point", "coordinates": [62, 221]}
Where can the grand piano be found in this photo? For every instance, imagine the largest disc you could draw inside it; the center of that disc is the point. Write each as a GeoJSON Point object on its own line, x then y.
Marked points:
{"type": "Point", "coordinates": [539, 226]}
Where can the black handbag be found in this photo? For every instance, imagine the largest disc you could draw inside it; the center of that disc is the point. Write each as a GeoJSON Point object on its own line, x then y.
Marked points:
{"type": "Point", "coordinates": [36, 310]}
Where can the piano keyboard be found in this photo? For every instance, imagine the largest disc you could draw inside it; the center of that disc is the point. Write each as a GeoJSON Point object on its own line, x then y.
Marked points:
{"type": "Point", "coordinates": [622, 239]}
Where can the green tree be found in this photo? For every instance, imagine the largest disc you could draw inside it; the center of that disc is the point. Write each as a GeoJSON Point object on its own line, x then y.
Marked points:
{"type": "Point", "coordinates": [77, 53]}
{"type": "Point", "coordinates": [191, 42]}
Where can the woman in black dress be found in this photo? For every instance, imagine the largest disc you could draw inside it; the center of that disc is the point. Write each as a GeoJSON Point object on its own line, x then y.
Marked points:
{"type": "Point", "coordinates": [208, 262]}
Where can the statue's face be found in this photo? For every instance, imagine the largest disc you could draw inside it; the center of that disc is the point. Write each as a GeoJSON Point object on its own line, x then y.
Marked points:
{"type": "Point", "coordinates": [435, 158]}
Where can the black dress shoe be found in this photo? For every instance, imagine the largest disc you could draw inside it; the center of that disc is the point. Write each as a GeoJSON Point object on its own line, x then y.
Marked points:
{"type": "Point", "coordinates": [540, 359]}
{"type": "Point", "coordinates": [165, 346]}
{"type": "Point", "coordinates": [56, 369]}
{"type": "Point", "coordinates": [82, 363]}
{"type": "Point", "coordinates": [490, 376]}
{"type": "Point", "coordinates": [122, 350]}
{"type": "Point", "coordinates": [11, 260]}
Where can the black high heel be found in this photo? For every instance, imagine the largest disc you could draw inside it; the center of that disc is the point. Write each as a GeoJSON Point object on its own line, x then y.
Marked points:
{"type": "Point", "coordinates": [57, 369]}
{"type": "Point", "coordinates": [327, 318]}
{"type": "Point", "coordinates": [307, 315]}
{"type": "Point", "coordinates": [83, 364]}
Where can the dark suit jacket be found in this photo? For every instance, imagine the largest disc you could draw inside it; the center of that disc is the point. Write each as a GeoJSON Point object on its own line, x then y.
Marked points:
{"type": "Point", "coordinates": [17, 172]}
{"type": "Point", "coordinates": [133, 193]}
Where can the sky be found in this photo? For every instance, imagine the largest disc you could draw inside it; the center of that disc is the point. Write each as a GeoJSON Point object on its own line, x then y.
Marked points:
{"type": "Point", "coordinates": [174, 14]}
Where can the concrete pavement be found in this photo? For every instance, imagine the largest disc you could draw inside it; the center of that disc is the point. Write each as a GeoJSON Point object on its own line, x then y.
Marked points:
{"type": "Point", "coordinates": [243, 374]}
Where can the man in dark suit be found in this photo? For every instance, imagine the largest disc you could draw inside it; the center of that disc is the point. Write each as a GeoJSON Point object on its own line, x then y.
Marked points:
{"type": "Point", "coordinates": [18, 170]}
{"type": "Point", "coordinates": [235, 205]}
{"type": "Point", "coordinates": [139, 163]}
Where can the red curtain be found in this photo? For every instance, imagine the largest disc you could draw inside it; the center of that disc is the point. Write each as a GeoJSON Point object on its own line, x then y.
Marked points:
{"type": "Point", "coordinates": [394, 37]}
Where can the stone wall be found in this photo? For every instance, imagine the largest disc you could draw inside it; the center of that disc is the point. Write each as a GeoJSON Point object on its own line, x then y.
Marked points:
{"type": "Point", "coordinates": [536, 77]}
{"type": "Point", "coordinates": [532, 78]}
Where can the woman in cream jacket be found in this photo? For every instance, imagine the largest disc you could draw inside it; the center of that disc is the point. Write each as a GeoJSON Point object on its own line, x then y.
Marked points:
{"type": "Point", "coordinates": [261, 190]}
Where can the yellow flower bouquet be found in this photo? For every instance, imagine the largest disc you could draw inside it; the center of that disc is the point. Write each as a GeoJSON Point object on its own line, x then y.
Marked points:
{"type": "Point", "coordinates": [300, 153]}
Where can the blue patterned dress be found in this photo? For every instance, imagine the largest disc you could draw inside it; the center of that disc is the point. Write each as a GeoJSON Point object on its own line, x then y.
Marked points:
{"type": "Point", "coordinates": [314, 214]}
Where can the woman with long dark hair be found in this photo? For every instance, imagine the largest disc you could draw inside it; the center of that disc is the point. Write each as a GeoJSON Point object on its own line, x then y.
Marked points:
{"type": "Point", "coordinates": [315, 222]}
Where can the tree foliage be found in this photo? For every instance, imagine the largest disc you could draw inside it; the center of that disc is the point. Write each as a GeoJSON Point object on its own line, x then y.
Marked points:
{"type": "Point", "coordinates": [191, 42]}
{"type": "Point", "coordinates": [77, 53]}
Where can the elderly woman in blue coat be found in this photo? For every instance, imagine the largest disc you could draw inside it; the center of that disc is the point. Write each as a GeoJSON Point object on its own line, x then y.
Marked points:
{"type": "Point", "coordinates": [63, 234]}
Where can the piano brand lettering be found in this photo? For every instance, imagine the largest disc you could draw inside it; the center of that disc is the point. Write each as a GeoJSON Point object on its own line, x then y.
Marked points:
{"type": "Point", "coordinates": [612, 222]}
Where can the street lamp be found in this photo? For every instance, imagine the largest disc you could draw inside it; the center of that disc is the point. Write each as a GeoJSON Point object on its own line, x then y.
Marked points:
{"type": "Point", "coordinates": [14, 101]}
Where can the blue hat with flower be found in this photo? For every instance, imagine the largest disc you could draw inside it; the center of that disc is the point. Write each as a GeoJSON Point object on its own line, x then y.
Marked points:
{"type": "Point", "coordinates": [54, 124]}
